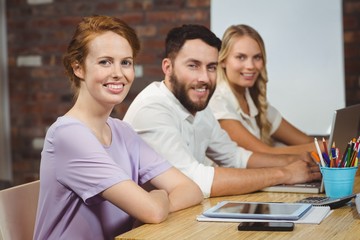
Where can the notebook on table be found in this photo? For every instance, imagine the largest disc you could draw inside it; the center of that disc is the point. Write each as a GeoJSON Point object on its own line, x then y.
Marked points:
{"type": "Point", "coordinates": [345, 126]}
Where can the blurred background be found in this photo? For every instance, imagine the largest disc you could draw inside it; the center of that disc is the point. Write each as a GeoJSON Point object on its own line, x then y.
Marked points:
{"type": "Point", "coordinates": [34, 90]}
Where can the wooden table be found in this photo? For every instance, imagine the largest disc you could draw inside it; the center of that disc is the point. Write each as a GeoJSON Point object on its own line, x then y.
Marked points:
{"type": "Point", "coordinates": [343, 223]}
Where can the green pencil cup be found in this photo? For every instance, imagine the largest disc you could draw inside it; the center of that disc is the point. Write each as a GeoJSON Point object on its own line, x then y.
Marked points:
{"type": "Point", "coordinates": [338, 182]}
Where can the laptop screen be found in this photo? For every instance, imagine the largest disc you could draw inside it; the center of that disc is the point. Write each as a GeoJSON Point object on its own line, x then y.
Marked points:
{"type": "Point", "coordinates": [345, 126]}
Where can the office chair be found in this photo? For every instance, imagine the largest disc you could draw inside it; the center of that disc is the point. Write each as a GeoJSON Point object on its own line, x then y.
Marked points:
{"type": "Point", "coordinates": [18, 207]}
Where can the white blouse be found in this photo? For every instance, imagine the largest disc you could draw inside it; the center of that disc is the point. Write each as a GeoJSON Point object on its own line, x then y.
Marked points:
{"type": "Point", "coordinates": [224, 105]}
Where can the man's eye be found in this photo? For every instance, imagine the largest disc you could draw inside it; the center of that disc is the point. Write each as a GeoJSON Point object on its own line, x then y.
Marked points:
{"type": "Point", "coordinates": [212, 68]}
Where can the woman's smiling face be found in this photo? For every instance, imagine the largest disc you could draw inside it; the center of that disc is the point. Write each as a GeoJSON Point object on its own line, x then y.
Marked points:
{"type": "Point", "coordinates": [244, 62]}
{"type": "Point", "coordinates": [108, 71]}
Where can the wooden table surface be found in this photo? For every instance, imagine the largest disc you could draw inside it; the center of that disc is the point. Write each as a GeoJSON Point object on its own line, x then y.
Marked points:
{"type": "Point", "coordinates": [343, 223]}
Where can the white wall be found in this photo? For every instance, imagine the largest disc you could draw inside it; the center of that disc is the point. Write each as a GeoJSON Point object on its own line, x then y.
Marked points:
{"type": "Point", "coordinates": [304, 44]}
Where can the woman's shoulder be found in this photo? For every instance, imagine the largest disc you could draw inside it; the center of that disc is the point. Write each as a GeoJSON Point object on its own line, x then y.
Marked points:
{"type": "Point", "coordinates": [64, 122]}
{"type": "Point", "coordinates": [223, 97]}
{"type": "Point", "coordinates": [66, 125]}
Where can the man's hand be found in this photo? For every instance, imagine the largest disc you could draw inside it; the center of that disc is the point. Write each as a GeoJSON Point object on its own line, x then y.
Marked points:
{"type": "Point", "coordinates": [301, 171]}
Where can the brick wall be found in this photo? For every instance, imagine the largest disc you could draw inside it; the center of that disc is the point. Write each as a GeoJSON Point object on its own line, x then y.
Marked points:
{"type": "Point", "coordinates": [351, 23]}
{"type": "Point", "coordinates": [38, 33]}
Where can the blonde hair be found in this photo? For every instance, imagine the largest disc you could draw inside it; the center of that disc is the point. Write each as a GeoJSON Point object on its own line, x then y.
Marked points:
{"type": "Point", "coordinates": [258, 92]}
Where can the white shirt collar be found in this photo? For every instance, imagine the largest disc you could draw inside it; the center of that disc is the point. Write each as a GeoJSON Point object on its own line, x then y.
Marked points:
{"type": "Point", "coordinates": [252, 108]}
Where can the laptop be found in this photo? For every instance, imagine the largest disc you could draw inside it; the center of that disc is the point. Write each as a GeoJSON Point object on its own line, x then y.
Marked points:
{"type": "Point", "coordinates": [345, 126]}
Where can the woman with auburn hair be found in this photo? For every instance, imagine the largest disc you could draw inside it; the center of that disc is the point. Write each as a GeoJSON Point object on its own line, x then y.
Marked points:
{"type": "Point", "coordinates": [93, 166]}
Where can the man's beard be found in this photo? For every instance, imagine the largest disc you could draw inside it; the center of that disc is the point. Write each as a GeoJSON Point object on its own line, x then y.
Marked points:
{"type": "Point", "coordinates": [180, 92]}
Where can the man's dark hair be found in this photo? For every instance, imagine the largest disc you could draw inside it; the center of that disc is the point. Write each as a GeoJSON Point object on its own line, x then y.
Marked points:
{"type": "Point", "coordinates": [179, 35]}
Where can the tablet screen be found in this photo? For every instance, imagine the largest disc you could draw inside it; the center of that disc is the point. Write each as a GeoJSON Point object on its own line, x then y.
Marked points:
{"type": "Point", "coordinates": [258, 210]}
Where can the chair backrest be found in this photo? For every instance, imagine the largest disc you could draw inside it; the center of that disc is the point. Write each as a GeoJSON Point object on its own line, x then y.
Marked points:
{"type": "Point", "coordinates": [18, 207]}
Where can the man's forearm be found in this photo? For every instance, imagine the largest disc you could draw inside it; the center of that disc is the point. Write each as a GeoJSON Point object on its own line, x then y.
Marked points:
{"type": "Point", "coordinates": [233, 181]}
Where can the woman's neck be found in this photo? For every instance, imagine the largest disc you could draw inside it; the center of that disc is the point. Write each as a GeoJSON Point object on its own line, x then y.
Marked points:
{"type": "Point", "coordinates": [94, 119]}
{"type": "Point", "coordinates": [237, 89]}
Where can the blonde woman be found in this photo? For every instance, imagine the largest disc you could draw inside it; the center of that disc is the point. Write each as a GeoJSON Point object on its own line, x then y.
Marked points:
{"type": "Point", "coordinates": [240, 104]}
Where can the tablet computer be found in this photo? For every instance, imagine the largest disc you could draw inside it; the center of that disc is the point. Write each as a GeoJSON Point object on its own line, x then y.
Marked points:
{"type": "Point", "coordinates": [258, 210]}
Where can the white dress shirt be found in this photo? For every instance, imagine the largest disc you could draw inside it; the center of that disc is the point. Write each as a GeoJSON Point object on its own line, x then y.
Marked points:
{"type": "Point", "coordinates": [224, 105]}
{"type": "Point", "coordinates": [185, 140]}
